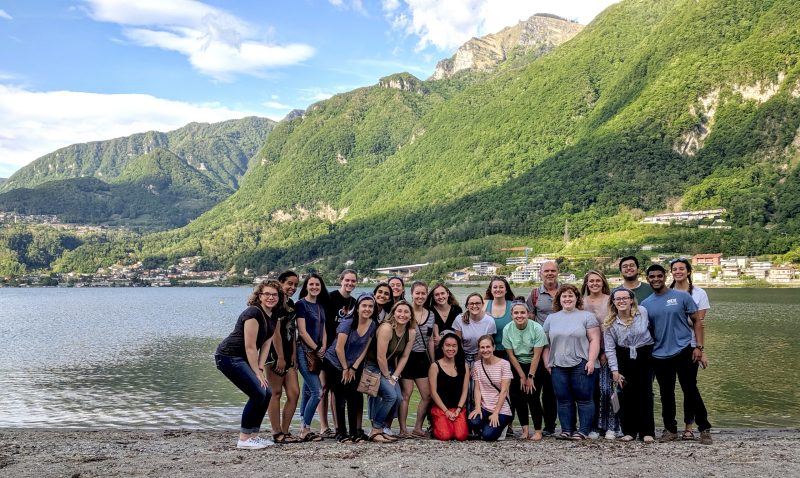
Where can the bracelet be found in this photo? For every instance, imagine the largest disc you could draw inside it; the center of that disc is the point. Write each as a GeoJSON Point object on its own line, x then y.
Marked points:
{"type": "Point", "coordinates": [395, 378]}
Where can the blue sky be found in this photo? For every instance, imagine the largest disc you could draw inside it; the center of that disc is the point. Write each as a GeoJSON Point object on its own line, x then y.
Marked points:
{"type": "Point", "coordinates": [82, 70]}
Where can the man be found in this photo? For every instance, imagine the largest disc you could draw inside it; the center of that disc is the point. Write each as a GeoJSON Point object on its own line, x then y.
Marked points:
{"type": "Point", "coordinates": [673, 353]}
{"type": "Point", "coordinates": [629, 270]}
{"type": "Point", "coordinates": [540, 302]}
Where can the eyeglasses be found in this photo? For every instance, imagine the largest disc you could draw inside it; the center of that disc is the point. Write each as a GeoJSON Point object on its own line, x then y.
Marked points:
{"type": "Point", "coordinates": [474, 304]}
{"type": "Point", "coordinates": [622, 299]}
{"type": "Point", "coordinates": [269, 294]}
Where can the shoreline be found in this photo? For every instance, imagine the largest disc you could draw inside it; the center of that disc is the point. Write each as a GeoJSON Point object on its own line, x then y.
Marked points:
{"type": "Point", "coordinates": [179, 452]}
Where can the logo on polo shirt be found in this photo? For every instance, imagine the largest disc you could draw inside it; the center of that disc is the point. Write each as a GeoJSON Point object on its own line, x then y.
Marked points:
{"type": "Point", "coordinates": [672, 302]}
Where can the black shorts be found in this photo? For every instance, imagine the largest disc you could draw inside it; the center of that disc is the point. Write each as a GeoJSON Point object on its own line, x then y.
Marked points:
{"type": "Point", "coordinates": [417, 366]}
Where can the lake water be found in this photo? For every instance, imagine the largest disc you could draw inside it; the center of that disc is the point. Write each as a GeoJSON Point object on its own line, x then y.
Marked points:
{"type": "Point", "coordinates": [143, 357]}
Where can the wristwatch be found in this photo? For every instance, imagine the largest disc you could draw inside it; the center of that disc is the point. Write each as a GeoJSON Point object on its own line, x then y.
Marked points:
{"type": "Point", "coordinates": [700, 348]}
{"type": "Point", "coordinates": [531, 376]}
{"type": "Point", "coordinates": [395, 378]}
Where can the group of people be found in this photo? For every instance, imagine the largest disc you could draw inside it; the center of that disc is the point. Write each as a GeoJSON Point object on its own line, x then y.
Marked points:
{"type": "Point", "coordinates": [586, 356]}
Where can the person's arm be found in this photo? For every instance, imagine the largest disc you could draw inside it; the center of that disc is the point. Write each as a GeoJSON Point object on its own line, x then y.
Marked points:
{"type": "Point", "coordinates": [303, 332]}
{"type": "Point", "coordinates": [476, 397]}
{"type": "Point", "coordinates": [277, 342]}
{"type": "Point", "coordinates": [429, 346]}
{"type": "Point", "coordinates": [436, 337]}
{"type": "Point", "coordinates": [610, 345]}
{"type": "Point", "coordinates": [341, 341]}
{"type": "Point", "coordinates": [512, 359]}
{"type": "Point", "coordinates": [464, 391]}
{"type": "Point", "coordinates": [593, 335]}
{"type": "Point", "coordinates": [433, 373]}
{"type": "Point", "coordinates": [384, 335]}
{"type": "Point", "coordinates": [250, 337]}
{"type": "Point", "coordinates": [352, 370]}
{"type": "Point", "coordinates": [698, 318]}
{"type": "Point", "coordinates": [537, 355]}
{"type": "Point", "coordinates": [546, 358]}
{"type": "Point", "coordinates": [401, 364]}
{"type": "Point", "coordinates": [494, 418]}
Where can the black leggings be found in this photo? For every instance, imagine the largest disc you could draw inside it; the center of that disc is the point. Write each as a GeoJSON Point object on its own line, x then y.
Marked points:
{"type": "Point", "coordinates": [521, 402]}
{"type": "Point", "coordinates": [346, 395]}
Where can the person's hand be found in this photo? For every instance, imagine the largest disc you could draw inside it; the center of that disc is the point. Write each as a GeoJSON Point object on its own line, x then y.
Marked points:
{"type": "Point", "coordinates": [527, 385]}
{"type": "Point", "coordinates": [262, 380]}
{"type": "Point", "coordinates": [450, 415]}
{"type": "Point", "coordinates": [475, 413]}
{"type": "Point", "coordinates": [549, 370]}
{"type": "Point", "coordinates": [618, 378]}
{"type": "Point", "coordinates": [321, 352]}
{"type": "Point", "coordinates": [348, 375]}
{"type": "Point", "coordinates": [494, 420]}
{"type": "Point", "coordinates": [704, 361]}
{"type": "Point", "coordinates": [280, 365]}
{"type": "Point", "coordinates": [603, 359]}
{"type": "Point", "coordinates": [697, 355]}
{"type": "Point", "coordinates": [589, 368]}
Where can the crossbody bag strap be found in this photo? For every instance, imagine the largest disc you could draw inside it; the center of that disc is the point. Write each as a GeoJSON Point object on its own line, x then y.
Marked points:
{"type": "Point", "coordinates": [493, 384]}
{"type": "Point", "coordinates": [424, 342]}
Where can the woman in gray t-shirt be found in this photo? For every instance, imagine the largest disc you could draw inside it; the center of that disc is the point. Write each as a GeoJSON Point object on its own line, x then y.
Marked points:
{"type": "Point", "coordinates": [571, 358]}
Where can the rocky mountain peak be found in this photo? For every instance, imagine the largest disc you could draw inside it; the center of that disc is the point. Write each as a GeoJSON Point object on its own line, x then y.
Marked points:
{"type": "Point", "coordinates": [542, 31]}
{"type": "Point", "coordinates": [403, 82]}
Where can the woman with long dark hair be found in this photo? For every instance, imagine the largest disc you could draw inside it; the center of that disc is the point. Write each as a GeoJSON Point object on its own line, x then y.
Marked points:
{"type": "Point", "coordinates": [342, 362]}
{"type": "Point", "coordinates": [312, 343]}
{"type": "Point", "coordinates": [498, 306]}
{"type": "Point", "coordinates": [241, 356]}
{"type": "Point", "coordinates": [449, 381]}
{"type": "Point", "coordinates": [445, 308]}
{"type": "Point", "coordinates": [398, 286]}
{"type": "Point", "coordinates": [383, 301]}
{"type": "Point", "coordinates": [681, 270]}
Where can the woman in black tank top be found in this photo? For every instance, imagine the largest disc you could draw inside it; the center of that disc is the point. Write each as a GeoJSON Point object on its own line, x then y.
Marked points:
{"type": "Point", "coordinates": [449, 380]}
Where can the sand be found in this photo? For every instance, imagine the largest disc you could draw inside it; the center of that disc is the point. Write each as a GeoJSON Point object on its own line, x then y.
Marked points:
{"type": "Point", "coordinates": [89, 453]}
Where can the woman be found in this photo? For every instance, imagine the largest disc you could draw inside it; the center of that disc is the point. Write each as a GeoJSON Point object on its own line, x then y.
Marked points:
{"type": "Point", "coordinates": [342, 361]}
{"type": "Point", "coordinates": [416, 372]}
{"type": "Point", "coordinates": [340, 304]}
{"type": "Point", "coordinates": [398, 288]}
{"type": "Point", "coordinates": [383, 301]}
{"type": "Point", "coordinates": [470, 326]}
{"type": "Point", "coordinates": [681, 270]}
{"type": "Point", "coordinates": [393, 342]}
{"type": "Point", "coordinates": [281, 372]}
{"type": "Point", "coordinates": [498, 306]}
{"type": "Point", "coordinates": [574, 337]}
{"type": "Point", "coordinates": [449, 379]}
{"type": "Point", "coordinates": [445, 309]}
{"type": "Point", "coordinates": [492, 377]}
{"type": "Point", "coordinates": [596, 295]}
{"type": "Point", "coordinates": [629, 348]}
{"type": "Point", "coordinates": [241, 356]}
{"type": "Point", "coordinates": [312, 340]}
{"type": "Point", "coordinates": [524, 341]}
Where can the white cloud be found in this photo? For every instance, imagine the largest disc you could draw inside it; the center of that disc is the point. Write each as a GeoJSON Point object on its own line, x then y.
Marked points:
{"type": "Point", "coordinates": [216, 42]}
{"type": "Point", "coordinates": [276, 105]}
{"type": "Point", "coordinates": [5, 15]}
{"type": "Point", "coordinates": [35, 123]}
{"type": "Point", "coordinates": [447, 24]}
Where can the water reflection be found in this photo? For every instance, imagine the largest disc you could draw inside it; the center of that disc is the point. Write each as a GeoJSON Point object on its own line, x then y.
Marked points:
{"type": "Point", "coordinates": [143, 358]}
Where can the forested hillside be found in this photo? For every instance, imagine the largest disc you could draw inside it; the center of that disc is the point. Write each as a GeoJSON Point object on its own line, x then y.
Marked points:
{"type": "Point", "coordinates": [655, 106]}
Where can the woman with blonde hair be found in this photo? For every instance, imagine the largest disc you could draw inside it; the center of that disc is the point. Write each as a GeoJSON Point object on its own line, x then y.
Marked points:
{"type": "Point", "coordinates": [629, 348]}
{"type": "Point", "coordinates": [596, 293]}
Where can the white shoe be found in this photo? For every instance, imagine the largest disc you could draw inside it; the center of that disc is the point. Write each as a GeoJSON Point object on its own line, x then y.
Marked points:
{"type": "Point", "coordinates": [610, 435]}
{"type": "Point", "coordinates": [388, 431]}
{"type": "Point", "coordinates": [253, 443]}
{"type": "Point", "coordinates": [593, 436]}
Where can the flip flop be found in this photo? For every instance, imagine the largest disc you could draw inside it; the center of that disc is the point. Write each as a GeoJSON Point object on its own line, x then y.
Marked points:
{"type": "Point", "coordinates": [688, 435]}
{"type": "Point", "coordinates": [380, 438]}
{"type": "Point", "coordinates": [311, 436]}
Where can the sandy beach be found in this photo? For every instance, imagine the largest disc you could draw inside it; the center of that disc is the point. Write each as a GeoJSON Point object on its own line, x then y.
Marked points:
{"type": "Point", "coordinates": [89, 453]}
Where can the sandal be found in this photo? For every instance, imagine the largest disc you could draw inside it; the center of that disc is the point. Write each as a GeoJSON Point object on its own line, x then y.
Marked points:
{"type": "Point", "coordinates": [687, 435]}
{"type": "Point", "coordinates": [279, 438]}
{"type": "Point", "coordinates": [310, 436]}
{"type": "Point", "coordinates": [380, 438]}
{"type": "Point", "coordinates": [328, 433]}
{"type": "Point", "coordinates": [289, 438]}
{"type": "Point", "coordinates": [345, 440]}
{"type": "Point", "coordinates": [577, 436]}
{"type": "Point", "coordinates": [406, 436]}
{"type": "Point", "coordinates": [419, 434]}
{"type": "Point", "coordinates": [357, 439]}
{"type": "Point", "coordinates": [565, 436]}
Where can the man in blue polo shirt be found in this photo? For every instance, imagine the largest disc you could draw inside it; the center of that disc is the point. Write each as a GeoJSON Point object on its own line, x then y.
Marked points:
{"type": "Point", "coordinates": [673, 354]}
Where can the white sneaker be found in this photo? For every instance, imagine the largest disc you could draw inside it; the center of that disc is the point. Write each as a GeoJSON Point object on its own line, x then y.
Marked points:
{"type": "Point", "coordinates": [266, 441]}
{"type": "Point", "coordinates": [388, 431]}
{"type": "Point", "coordinates": [594, 436]}
{"type": "Point", "coordinates": [610, 435]}
{"type": "Point", "coordinates": [253, 443]}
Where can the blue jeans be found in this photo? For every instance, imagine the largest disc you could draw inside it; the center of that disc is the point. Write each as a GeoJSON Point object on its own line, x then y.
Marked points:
{"type": "Point", "coordinates": [238, 371]}
{"type": "Point", "coordinates": [480, 425]}
{"type": "Point", "coordinates": [573, 387]}
{"type": "Point", "coordinates": [387, 400]}
{"type": "Point", "coordinates": [312, 387]}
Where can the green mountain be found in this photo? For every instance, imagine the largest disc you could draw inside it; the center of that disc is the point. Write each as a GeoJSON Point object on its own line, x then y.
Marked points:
{"type": "Point", "coordinates": [656, 105]}
{"type": "Point", "coordinates": [220, 151]}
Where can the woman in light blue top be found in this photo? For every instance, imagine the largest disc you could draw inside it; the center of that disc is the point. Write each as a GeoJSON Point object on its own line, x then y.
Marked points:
{"type": "Point", "coordinates": [498, 306]}
{"type": "Point", "coordinates": [629, 348]}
